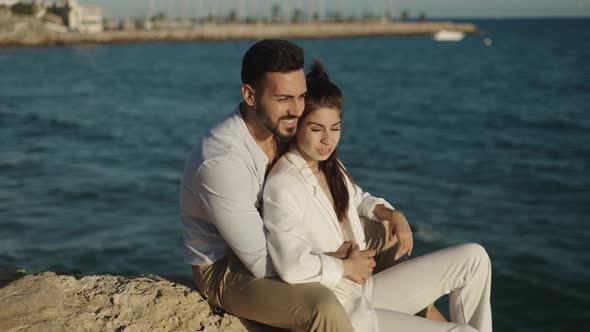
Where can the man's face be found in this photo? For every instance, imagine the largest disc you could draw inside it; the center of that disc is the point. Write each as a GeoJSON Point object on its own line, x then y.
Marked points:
{"type": "Point", "coordinates": [280, 102]}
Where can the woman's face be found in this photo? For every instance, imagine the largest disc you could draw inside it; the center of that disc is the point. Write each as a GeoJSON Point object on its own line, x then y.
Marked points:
{"type": "Point", "coordinates": [319, 133]}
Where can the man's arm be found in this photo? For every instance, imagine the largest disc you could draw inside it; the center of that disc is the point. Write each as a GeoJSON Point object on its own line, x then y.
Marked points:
{"type": "Point", "coordinates": [224, 188]}
{"type": "Point", "coordinates": [378, 209]}
{"type": "Point", "coordinates": [398, 226]}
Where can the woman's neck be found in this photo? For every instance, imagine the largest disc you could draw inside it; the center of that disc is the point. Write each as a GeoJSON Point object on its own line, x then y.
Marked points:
{"type": "Point", "coordinates": [312, 163]}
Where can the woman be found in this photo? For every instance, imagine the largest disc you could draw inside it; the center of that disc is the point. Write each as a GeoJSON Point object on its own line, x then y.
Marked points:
{"type": "Point", "coordinates": [311, 207]}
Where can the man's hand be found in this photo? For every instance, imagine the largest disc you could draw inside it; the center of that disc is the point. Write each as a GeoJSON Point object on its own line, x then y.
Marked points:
{"type": "Point", "coordinates": [359, 267]}
{"type": "Point", "coordinates": [399, 227]}
{"type": "Point", "coordinates": [346, 248]}
{"type": "Point", "coordinates": [343, 251]}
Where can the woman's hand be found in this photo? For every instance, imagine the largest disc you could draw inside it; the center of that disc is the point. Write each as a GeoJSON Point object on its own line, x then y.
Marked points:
{"type": "Point", "coordinates": [358, 266]}
{"type": "Point", "coordinates": [399, 226]}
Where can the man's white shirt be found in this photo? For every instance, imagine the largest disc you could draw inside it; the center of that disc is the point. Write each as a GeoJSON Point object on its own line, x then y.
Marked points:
{"type": "Point", "coordinates": [221, 195]}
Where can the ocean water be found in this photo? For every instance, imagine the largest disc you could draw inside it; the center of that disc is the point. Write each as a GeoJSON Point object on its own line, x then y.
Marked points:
{"type": "Point", "coordinates": [473, 143]}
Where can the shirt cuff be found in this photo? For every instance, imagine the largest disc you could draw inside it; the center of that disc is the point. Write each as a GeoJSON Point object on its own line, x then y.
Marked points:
{"type": "Point", "coordinates": [332, 270]}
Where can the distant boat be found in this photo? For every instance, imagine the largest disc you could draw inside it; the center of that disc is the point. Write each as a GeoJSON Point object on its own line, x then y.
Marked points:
{"type": "Point", "coordinates": [449, 35]}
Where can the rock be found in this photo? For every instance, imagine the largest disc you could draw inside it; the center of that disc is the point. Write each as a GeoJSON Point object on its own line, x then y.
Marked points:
{"type": "Point", "coordinates": [21, 30]}
{"type": "Point", "coordinates": [51, 302]}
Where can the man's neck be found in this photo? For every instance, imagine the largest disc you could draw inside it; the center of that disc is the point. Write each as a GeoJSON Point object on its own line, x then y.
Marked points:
{"type": "Point", "coordinates": [262, 136]}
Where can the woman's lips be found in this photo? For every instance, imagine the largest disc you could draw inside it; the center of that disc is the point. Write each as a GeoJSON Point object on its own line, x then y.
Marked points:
{"type": "Point", "coordinates": [325, 152]}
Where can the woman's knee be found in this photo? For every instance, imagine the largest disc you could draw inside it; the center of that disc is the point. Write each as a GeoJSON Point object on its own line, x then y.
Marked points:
{"type": "Point", "coordinates": [476, 251]}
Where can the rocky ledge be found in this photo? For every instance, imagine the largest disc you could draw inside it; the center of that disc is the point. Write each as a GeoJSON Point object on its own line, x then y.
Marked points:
{"type": "Point", "coordinates": [51, 302]}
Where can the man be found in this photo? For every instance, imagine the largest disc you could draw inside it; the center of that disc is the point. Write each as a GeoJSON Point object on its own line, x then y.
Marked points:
{"type": "Point", "coordinates": [220, 200]}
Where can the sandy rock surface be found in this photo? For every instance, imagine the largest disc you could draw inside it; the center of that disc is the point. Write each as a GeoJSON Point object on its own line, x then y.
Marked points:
{"type": "Point", "coordinates": [19, 29]}
{"type": "Point", "coordinates": [51, 302]}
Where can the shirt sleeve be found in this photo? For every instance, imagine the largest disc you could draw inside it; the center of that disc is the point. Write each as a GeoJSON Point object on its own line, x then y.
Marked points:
{"type": "Point", "coordinates": [294, 257]}
{"type": "Point", "coordinates": [364, 201]}
{"type": "Point", "coordinates": [225, 190]}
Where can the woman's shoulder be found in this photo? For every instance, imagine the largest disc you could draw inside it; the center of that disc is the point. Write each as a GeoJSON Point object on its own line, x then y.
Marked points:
{"type": "Point", "coordinates": [283, 178]}
{"type": "Point", "coordinates": [282, 169]}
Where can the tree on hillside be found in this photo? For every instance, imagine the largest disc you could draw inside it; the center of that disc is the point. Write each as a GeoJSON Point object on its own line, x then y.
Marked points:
{"type": "Point", "coordinates": [335, 16]}
{"type": "Point", "coordinates": [422, 16]}
{"type": "Point", "coordinates": [405, 15]}
{"type": "Point", "coordinates": [315, 16]}
{"type": "Point", "coordinates": [297, 16]}
{"type": "Point", "coordinates": [232, 16]}
{"type": "Point", "coordinates": [158, 17]}
{"type": "Point", "coordinates": [22, 8]}
{"type": "Point", "coordinates": [276, 13]}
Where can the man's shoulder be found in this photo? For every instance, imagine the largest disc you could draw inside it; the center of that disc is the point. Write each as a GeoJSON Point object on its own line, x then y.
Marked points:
{"type": "Point", "coordinates": [220, 150]}
{"type": "Point", "coordinates": [224, 138]}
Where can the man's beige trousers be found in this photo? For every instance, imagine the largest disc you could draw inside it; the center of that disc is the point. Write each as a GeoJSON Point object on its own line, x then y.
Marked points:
{"type": "Point", "coordinates": [228, 284]}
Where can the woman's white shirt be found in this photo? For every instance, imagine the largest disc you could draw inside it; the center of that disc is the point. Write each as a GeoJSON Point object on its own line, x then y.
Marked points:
{"type": "Point", "coordinates": [302, 225]}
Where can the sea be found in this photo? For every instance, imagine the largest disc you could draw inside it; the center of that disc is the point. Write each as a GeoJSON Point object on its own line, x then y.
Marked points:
{"type": "Point", "coordinates": [475, 141]}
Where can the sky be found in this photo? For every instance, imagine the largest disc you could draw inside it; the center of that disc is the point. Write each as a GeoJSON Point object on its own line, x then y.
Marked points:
{"type": "Point", "coordinates": [432, 8]}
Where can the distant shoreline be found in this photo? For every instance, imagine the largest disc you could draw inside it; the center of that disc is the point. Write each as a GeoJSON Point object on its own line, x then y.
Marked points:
{"type": "Point", "coordinates": [240, 31]}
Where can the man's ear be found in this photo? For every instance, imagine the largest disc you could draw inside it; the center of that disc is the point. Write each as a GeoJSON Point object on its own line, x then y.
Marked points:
{"type": "Point", "coordinates": [249, 94]}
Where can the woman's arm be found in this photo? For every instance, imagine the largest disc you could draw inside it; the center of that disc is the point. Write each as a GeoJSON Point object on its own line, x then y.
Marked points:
{"type": "Point", "coordinates": [365, 203]}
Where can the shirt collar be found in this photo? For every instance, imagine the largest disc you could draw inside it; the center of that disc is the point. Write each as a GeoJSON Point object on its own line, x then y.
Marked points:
{"type": "Point", "coordinates": [295, 158]}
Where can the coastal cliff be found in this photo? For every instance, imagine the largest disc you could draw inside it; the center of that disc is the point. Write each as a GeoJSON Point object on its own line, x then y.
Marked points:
{"type": "Point", "coordinates": [51, 302]}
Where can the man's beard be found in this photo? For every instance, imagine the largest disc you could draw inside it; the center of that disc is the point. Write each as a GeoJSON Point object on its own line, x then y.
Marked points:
{"type": "Point", "coordinates": [264, 117]}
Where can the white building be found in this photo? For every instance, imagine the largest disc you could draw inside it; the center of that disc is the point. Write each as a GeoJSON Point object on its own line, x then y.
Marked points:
{"type": "Point", "coordinates": [8, 3]}
{"type": "Point", "coordinates": [83, 18]}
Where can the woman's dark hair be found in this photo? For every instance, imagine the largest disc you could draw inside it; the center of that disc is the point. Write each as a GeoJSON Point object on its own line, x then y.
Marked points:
{"type": "Point", "coordinates": [270, 55]}
{"type": "Point", "coordinates": [322, 93]}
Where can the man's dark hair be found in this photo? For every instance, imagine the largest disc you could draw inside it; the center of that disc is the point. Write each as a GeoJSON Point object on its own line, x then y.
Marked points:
{"type": "Point", "coordinates": [270, 55]}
